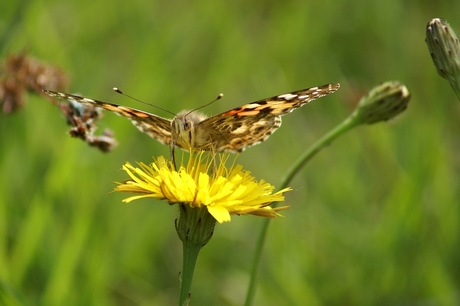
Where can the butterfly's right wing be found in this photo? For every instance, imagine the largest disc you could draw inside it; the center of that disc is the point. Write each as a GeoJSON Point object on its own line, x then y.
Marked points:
{"type": "Point", "coordinates": [153, 125]}
{"type": "Point", "coordinates": [252, 123]}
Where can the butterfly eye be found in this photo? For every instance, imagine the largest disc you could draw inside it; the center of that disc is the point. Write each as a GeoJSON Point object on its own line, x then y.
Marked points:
{"type": "Point", "coordinates": [186, 124]}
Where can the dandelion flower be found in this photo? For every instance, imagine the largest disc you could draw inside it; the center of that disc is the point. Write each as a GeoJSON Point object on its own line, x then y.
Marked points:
{"type": "Point", "coordinates": [223, 191]}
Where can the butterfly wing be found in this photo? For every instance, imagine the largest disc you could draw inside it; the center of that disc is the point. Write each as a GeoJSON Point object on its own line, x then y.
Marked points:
{"type": "Point", "coordinates": [153, 125]}
{"type": "Point", "coordinates": [250, 124]}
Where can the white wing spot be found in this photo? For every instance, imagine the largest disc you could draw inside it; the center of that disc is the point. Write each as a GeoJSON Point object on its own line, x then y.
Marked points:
{"type": "Point", "coordinates": [287, 96]}
{"type": "Point", "coordinates": [252, 105]}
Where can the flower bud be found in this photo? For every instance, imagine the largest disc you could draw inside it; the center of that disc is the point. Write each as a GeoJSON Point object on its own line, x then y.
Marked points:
{"type": "Point", "coordinates": [445, 51]}
{"type": "Point", "coordinates": [444, 48]}
{"type": "Point", "coordinates": [382, 103]}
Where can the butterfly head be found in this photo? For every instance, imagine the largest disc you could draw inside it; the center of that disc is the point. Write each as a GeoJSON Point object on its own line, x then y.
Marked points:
{"type": "Point", "coordinates": [183, 128]}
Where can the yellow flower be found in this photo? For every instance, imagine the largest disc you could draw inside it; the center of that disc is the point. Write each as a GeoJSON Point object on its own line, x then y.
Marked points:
{"type": "Point", "coordinates": [204, 182]}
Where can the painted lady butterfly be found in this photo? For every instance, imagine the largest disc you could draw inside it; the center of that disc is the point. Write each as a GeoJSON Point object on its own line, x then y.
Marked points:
{"type": "Point", "coordinates": [230, 131]}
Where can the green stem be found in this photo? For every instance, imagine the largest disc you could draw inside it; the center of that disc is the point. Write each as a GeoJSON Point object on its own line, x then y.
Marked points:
{"type": "Point", "coordinates": [194, 227]}
{"type": "Point", "coordinates": [345, 126]}
{"type": "Point", "coordinates": [320, 144]}
{"type": "Point", "coordinates": [190, 257]}
{"type": "Point", "coordinates": [456, 87]}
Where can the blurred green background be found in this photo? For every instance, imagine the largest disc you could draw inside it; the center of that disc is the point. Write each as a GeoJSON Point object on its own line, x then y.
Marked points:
{"type": "Point", "coordinates": [374, 218]}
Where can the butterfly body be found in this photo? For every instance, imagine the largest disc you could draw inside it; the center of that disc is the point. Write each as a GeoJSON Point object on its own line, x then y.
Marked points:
{"type": "Point", "coordinates": [186, 132]}
{"type": "Point", "coordinates": [230, 131]}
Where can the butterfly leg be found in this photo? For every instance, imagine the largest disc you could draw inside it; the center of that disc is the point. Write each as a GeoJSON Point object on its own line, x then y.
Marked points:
{"type": "Point", "coordinates": [171, 153]}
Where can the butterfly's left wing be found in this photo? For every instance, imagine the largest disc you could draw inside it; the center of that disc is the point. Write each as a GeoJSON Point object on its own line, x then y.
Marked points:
{"type": "Point", "coordinates": [250, 124]}
{"type": "Point", "coordinates": [153, 125]}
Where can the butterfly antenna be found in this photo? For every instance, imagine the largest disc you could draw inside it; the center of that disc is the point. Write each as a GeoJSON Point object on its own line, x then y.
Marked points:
{"type": "Point", "coordinates": [117, 90]}
{"type": "Point", "coordinates": [220, 96]}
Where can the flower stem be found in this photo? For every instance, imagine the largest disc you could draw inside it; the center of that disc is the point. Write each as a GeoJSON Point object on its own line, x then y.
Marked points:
{"type": "Point", "coordinates": [194, 227]}
{"type": "Point", "coordinates": [456, 87]}
{"type": "Point", "coordinates": [190, 256]}
{"type": "Point", "coordinates": [345, 126]}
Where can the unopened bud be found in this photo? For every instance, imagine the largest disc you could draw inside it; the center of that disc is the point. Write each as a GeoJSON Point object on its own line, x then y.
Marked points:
{"type": "Point", "coordinates": [382, 103]}
{"type": "Point", "coordinates": [445, 51]}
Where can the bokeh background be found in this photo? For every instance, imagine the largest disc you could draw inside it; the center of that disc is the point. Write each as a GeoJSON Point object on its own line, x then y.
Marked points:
{"type": "Point", "coordinates": [374, 218]}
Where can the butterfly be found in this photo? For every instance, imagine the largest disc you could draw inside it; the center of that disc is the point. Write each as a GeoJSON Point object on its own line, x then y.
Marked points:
{"type": "Point", "coordinates": [230, 131]}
